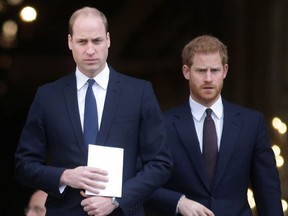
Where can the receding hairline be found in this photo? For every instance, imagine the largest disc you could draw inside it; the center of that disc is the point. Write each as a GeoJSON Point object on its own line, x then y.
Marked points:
{"type": "Point", "coordinates": [85, 12]}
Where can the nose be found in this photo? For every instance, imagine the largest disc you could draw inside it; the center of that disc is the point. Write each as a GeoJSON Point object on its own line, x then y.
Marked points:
{"type": "Point", "coordinates": [90, 49]}
{"type": "Point", "coordinates": [208, 76]}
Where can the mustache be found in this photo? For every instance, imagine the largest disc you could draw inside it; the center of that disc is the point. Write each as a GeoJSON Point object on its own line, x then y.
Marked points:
{"type": "Point", "coordinates": [208, 86]}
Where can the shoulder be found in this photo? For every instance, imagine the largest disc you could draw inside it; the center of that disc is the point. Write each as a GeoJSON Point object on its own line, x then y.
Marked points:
{"type": "Point", "coordinates": [240, 110]}
{"type": "Point", "coordinates": [178, 110]}
{"type": "Point", "coordinates": [128, 81]}
{"type": "Point", "coordinates": [57, 87]}
{"type": "Point", "coordinates": [62, 81]}
{"type": "Point", "coordinates": [115, 75]}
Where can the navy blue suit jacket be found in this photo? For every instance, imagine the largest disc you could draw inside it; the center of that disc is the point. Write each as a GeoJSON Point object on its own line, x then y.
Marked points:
{"type": "Point", "coordinates": [52, 141]}
{"type": "Point", "coordinates": [245, 158]}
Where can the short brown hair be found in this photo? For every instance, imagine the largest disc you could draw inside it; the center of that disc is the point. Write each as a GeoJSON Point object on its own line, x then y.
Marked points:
{"type": "Point", "coordinates": [204, 44]}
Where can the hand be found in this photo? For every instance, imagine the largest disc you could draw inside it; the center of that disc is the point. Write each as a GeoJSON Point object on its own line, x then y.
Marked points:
{"type": "Point", "coordinates": [97, 205]}
{"type": "Point", "coordinates": [187, 207]}
{"type": "Point", "coordinates": [86, 178]}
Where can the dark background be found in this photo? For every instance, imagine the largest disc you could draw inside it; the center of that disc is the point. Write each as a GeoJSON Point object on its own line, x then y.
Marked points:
{"type": "Point", "coordinates": [147, 38]}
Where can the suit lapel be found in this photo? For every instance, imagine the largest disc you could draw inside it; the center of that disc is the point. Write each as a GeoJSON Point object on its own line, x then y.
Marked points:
{"type": "Point", "coordinates": [111, 101]}
{"type": "Point", "coordinates": [70, 96]}
{"type": "Point", "coordinates": [112, 97]}
{"type": "Point", "coordinates": [230, 133]}
{"type": "Point", "coordinates": [186, 129]}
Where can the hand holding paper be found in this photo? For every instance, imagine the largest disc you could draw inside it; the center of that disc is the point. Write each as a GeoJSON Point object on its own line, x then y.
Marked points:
{"type": "Point", "coordinates": [111, 160]}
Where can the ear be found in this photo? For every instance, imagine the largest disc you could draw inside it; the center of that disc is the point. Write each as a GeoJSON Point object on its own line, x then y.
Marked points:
{"type": "Point", "coordinates": [186, 72]}
{"type": "Point", "coordinates": [225, 70]}
{"type": "Point", "coordinates": [69, 41]}
{"type": "Point", "coordinates": [108, 39]}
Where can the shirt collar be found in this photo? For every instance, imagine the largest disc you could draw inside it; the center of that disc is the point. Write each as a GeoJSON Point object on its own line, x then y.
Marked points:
{"type": "Point", "coordinates": [101, 79]}
{"type": "Point", "coordinates": [198, 110]}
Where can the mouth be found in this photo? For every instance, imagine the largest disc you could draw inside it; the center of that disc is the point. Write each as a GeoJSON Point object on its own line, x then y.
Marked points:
{"type": "Point", "coordinates": [90, 61]}
{"type": "Point", "coordinates": [208, 87]}
{"type": "Point", "coordinates": [208, 90]}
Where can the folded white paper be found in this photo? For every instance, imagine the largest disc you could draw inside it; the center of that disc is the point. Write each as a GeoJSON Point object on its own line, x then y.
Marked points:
{"type": "Point", "coordinates": [111, 160]}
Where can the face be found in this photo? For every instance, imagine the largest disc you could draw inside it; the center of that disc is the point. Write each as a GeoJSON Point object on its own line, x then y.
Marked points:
{"type": "Point", "coordinates": [206, 77]}
{"type": "Point", "coordinates": [89, 44]}
{"type": "Point", "coordinates": [36, 206]}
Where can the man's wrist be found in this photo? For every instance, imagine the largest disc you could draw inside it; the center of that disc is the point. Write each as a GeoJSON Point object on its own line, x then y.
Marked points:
{"type": "Point", "coordinates": [115, 202]}
{"type": "Point", "coordinates": [177, 207]}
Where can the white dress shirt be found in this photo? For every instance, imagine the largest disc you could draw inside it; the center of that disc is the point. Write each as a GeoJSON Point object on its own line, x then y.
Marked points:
{"type": "Point", "coordinates": [99, 90]}
{"type": "Point", "coordinates": [199, 114]}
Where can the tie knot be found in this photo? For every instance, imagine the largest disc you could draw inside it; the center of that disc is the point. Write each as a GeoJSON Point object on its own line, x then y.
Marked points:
{"type": "Point", "coordinates": [91, 82]}
{"type": "Point", "coordinates": [208, 112]}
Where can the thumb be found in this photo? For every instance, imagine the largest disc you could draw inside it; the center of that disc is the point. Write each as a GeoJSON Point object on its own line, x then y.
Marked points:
{"type": "Point", "coordinates": [84, 194]}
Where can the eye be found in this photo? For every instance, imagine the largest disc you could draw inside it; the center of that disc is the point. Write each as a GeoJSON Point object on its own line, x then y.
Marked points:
{"type": "Point", "coordinates": [38, 210]}
{"type": "Point", "coordinates": [82, 42]}
{"type": "Point", "coordinates": [201, 70]}
{"type": "Point", "coordinates": [215, 70]}
{"type": "Point", "coordinates": [97, 41]}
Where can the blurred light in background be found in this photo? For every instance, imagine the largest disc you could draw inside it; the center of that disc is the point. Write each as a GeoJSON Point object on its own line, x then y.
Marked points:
{"type": "Point", "coordinates": [9, 27]}
{"type": "Point", "coordinates": [28, 14]}
{"type": "Point", "coordinates": [281, 130]}
{"type": "Point", "coordinates": [280, 138]}
{"type": "Point", "coordinates": [279, 125]}
{"type": "Point", "coordinates": [8, 34]}
{"type": "Point", "coordinates": [251, 198]}
{"type": "Point", "coordinates": [285, 205]}
{"type": "Point", "coordinates": [14, 2]}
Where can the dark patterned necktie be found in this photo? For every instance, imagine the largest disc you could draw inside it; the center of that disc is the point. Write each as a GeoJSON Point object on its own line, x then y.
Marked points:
{"type": "Point", "coordinates": [210, 148]}
{"type": "Point", "coordinates": [90, 115]}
